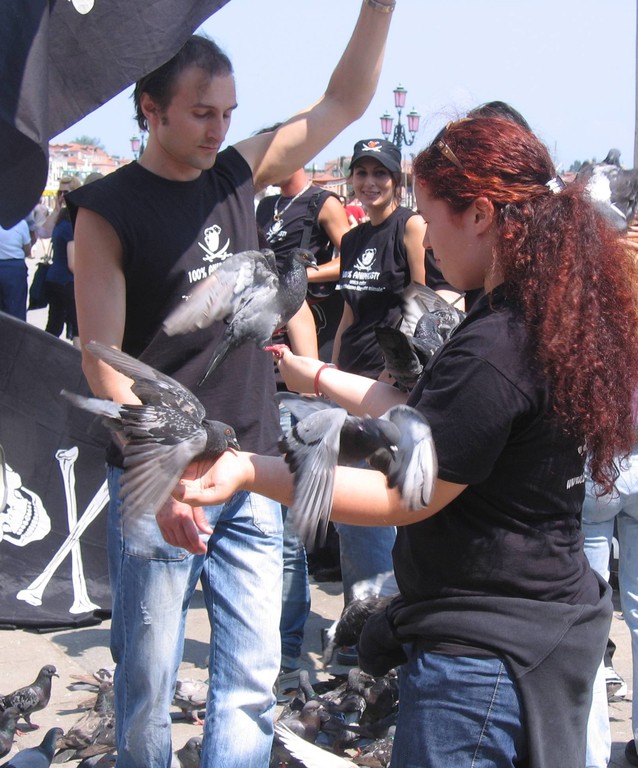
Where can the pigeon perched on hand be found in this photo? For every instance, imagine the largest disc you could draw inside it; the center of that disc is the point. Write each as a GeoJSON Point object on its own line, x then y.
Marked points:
{"type": "Point", "coordinates": [248, 293]}
{"type": "Point", "coordinates": [36, 757]}
{"type": "Point", "coordinates": [31, 698]}
{"type": "Point", "coordinates": [399, 444]}
{"type": "Point", "coordinates": [161, 436]}
{"type": "Point", "coordinates": [8, 725]}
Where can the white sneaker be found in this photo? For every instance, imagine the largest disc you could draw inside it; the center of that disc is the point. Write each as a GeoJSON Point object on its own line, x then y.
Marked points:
{"type": "Point", "coordinates": [616, 686]}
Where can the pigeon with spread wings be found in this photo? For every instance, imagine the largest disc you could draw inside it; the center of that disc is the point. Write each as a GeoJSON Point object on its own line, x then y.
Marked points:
{"type": "Point", "coordinates": [248, 293]}
{"type": "Point", "coordinates": [161, 436]}
{"type": "Point", "coordinates": [399, 444]}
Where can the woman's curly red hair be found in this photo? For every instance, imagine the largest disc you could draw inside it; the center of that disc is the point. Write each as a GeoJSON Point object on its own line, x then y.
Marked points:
{"type": "Point", "coordinates": [576, 283]}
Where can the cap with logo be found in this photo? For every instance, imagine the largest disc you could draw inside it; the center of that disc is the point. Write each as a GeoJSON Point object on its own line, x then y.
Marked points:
{"type": "Point", "coordinates": [385, 152]}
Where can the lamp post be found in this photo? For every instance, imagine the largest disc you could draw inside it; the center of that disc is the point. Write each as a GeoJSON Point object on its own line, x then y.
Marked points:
{"type": "Point", "coordinates": [399, 135]}
{"type": "Point", "coordinates": [137, 146]}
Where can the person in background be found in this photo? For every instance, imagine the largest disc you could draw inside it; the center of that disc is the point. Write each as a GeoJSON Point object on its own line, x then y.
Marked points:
{"type": "Point", "coordinates": [356, 212]}
{"type": "Point", "coordinates": [15, 247]}
{"type": "Point", "coordinates": [145, 235]}
{"type": "Point", "coordinates": [59, 285]}
{"type": "Point", "coordinates": [379, 259]}
{"type": "Point", "coordinates": [501, 623]}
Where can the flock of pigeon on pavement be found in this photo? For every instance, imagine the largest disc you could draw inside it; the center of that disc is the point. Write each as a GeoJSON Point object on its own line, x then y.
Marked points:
{"type": "Point", "coordinates": [349, 719]}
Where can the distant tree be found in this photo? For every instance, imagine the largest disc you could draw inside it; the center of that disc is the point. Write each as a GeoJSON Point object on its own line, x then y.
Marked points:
{"type": "Point", "coordinates": [575, 166]}
{"type": "Point", "coordinates": [89, 140]}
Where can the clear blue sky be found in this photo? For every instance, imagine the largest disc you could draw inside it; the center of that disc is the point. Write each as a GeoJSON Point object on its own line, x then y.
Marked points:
{"type": "Point", "coordinates": [567, 65]}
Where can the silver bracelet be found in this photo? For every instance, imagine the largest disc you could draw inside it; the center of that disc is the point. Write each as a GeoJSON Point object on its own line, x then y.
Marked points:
{"type": "Point", "coordinates": [381, 7]}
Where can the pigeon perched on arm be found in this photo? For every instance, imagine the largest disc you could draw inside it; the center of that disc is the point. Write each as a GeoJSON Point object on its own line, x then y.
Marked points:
{"type": "Point", "coordinates": [36, 757]}
{"type": "Point", "coordinates": [31, 698]}
{"type": "Point", "coordinates": [161, 436]}
{"type": "Point", "coordinates": [399, 444]}
{"type": "Point", "coordinates": [248, 293]}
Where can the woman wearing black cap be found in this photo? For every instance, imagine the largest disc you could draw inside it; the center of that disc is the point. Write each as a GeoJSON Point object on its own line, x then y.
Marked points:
{"type": "Point", "coordinates": [379, 258]}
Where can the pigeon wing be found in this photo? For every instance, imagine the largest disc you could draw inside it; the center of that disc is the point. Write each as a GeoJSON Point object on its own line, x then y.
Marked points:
{"type": "Point", "coordinates": [150, 385]}
{"type": "Point", "coordinates": [221, 294]}
{"type": "Point", "coordinates": [414, 468]}
{"type": "Point", "coordinates": [401, 361]}
{"type": "Point", "coordinates": [311, 448]}
{"type": "Point", "coordinates": [307, 753]}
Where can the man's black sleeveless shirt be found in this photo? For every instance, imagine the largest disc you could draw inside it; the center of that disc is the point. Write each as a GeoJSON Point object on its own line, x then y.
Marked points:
{"type": "Point", "coordinates": [173, 235]}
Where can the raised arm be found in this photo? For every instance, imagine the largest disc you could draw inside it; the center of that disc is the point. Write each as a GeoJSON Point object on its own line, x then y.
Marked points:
{"type": "Point", "coordinates": [273, 156]}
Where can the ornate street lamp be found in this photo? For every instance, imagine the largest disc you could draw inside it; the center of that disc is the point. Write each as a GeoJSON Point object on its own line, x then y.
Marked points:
{"type": "Point", "coordinates": [137, 146]}
{"type": "Point", "coordinates": [399, 135]}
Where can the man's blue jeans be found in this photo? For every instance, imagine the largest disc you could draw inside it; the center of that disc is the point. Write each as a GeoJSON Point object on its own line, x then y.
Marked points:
{"type": "Point", "coordinates": [365, 554]}
{"type": "Point", "coordinates": [152, 584]}
{"type": "Point", "coordinates": [599, 516]}
{"type": "Point", "coordinates": [457, 712]}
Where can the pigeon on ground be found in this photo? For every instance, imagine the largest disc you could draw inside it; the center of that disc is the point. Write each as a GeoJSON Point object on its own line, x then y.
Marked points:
{"type": "Point", "coordinates": [92, 682]}
{"type": "Point", "coordinates": [8, 725]}
{"type": "Point", "coordinates": [36, 757]}
{"type": "Point", "coordinates": [190, 696]}
{"type": "Point", "coordinates": [161, 436]}
{"type": "Point", "coordinates": [31, 698]}
{"type": "Point", "coordinates": [612, 188]}
{"type": "Point", "coordinates": [247, 292]}
{"type": "Point", "coordinates": [399, 444]}
{"type": "Point", "coordinates": [94, 732]}
{"type": "Point", "coordinates": [99, 761]}
{"type": "Point", "coordinates": [190, 754]}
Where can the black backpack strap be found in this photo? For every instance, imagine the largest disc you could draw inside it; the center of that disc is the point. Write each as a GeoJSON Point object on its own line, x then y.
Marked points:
{"type": "Point", "coordinates": [310, 218]}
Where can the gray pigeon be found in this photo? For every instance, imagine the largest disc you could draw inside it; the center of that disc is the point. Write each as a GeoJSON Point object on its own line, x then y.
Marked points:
{"type": "Point", "coordinates": [99, 761]}
{"type": "Point", "coordinates": [36, 757]}
{"type": "Point", "coordinates": [94, 732]}
{"type": "Point", "coordinates": [612, 188]}
{"type": "Point", "coordinates": [247, 293]}
{"type": "Point", "coordinates": [32, 698]}
{"type": "Point", "coordinates": [190, 696]}
{"type": "Point", "coordinates": [8, 724]}
{"type": "Point", "coordinates": [399, 444]}
{"type": "Point", "coordinates": [161, 436]}
{"type": "Point", "coordinates": [189, 755]}
{"type": "Point", "coordinates": [307, 753]}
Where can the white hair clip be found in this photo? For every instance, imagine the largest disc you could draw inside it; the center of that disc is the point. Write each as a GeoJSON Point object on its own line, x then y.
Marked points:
{"type": "Point", "coordinates": [555, 185]}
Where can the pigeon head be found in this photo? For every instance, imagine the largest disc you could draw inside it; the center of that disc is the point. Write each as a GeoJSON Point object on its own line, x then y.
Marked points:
{"type": "Point", "coordinates": [305, 258]}
{"type": "Point", "coordinates": [218, 432]}
{"type": "Point", "coordinates": [48, 671]}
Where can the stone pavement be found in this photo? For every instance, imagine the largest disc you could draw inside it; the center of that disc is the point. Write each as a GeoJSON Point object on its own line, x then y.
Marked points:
{"type": "Point", "coordinates": [83, 651]}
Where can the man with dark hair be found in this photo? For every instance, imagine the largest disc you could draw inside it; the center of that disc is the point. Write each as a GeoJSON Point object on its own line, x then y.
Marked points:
{"type": "Point", "coordinates": [145, 235]}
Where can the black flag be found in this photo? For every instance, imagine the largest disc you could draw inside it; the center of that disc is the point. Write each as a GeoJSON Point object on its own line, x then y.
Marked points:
{"type": "Point", "coordinates": [53, 496]}
{"type": "Point", "coordinates": [60, 60]}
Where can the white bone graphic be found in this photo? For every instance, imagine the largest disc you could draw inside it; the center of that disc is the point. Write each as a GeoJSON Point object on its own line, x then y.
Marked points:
{"type": "Point", "coordinates": [33, 593]}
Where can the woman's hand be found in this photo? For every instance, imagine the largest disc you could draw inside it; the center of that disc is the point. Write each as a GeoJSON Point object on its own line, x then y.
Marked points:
{"type": "Point", "coordinates": [297, 372]}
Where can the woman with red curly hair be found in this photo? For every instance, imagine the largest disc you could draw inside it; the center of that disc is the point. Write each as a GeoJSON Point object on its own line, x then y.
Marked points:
{"type": "Point", "coordinates": [500, 623]}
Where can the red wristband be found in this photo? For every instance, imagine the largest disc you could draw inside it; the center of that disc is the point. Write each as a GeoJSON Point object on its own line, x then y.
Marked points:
{"type": "Point", "coordinates": [318, 374]}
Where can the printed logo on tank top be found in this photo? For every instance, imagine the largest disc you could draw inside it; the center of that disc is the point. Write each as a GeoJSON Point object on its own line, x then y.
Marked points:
{"type": "Point", "coordinates": [216, 249]}
{"type": "Point", "coordinates": [276, 233]}
{"type": "Point", "coordinates": [363, 276]}
{"type": "Point", "coordinates": [579, 479]}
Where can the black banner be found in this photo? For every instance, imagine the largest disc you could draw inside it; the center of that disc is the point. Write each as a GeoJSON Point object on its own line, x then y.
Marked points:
{"type": "Point", "coordinates": [60, 60]}
{"type": "Point", "coordinates": [53, 497]}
